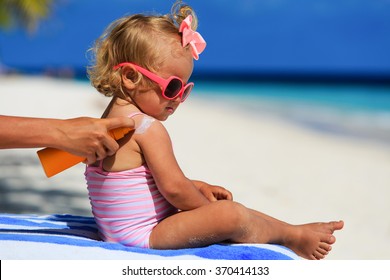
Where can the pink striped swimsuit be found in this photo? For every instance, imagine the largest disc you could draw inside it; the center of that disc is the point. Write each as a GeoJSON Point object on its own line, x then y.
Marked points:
{"type": "Point", "coordinates": [127, 205]}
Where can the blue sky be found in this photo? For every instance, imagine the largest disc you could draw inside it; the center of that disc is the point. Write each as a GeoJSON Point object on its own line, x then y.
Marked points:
{"type": "Point", "coordinates": [268, 36]}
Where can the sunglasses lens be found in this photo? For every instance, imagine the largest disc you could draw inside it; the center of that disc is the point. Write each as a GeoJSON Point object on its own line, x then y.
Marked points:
{"type": "Point", "coordinates": [187, 91]}
{"type": "Point", "coordinates": [173, 88]}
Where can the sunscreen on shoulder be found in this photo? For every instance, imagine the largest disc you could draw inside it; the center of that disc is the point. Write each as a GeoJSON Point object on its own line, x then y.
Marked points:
{"type": "Point", "coordinates": [146, 122]}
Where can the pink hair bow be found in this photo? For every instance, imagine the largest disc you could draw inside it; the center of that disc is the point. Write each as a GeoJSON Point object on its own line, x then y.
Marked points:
{"type": "Point", "coordinates": [189, 36]}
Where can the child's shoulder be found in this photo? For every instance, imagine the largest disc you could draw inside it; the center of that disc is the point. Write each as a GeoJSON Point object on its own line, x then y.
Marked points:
{"type": "Point", "coordinates": [145, 123]}
{"type": "Point", "coordinates": [142, 122]}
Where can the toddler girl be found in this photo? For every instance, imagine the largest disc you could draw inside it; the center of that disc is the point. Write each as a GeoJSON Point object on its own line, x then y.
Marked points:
{"type": "Point", "coordinates": [140, 196]}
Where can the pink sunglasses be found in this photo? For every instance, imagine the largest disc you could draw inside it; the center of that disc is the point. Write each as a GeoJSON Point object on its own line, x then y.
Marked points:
{"type": "Point", "coordinates": [171, 87]}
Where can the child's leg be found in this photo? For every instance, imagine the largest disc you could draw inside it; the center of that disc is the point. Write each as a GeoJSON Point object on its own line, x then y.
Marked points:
{"type": "Point", "coordinates": [230, 221]}
{"type": "Point", "coordinates": [313, 239]}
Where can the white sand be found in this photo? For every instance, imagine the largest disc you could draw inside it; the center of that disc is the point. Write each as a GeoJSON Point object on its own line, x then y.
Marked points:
{"type": "Point", "coordinates": [274, 166]}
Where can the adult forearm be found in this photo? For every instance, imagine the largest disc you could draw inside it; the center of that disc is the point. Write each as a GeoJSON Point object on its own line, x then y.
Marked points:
{"type": "Point", "coordinates": [84, 136]}
{"type": "Point", "coordinates": [22, 132]}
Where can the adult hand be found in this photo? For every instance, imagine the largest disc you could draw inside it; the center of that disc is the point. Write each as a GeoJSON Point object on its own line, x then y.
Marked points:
{"type": "Point", "coordinates": [89, 137]}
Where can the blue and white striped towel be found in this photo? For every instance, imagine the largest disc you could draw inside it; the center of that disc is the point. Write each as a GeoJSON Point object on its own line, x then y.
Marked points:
{"type": "Point", "coordinates": [65, 236]}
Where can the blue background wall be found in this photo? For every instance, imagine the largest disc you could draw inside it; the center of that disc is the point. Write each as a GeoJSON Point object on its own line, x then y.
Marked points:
{"type": "Point", "coordinates": [261, 37]}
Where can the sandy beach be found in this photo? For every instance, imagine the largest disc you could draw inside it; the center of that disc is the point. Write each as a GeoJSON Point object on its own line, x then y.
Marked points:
{"type": "Point", "coordinates": [287, 171]}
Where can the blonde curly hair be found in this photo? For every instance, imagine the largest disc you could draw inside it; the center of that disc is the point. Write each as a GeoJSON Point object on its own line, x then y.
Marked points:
{"type": "Point", "coordinates": [133, 39]}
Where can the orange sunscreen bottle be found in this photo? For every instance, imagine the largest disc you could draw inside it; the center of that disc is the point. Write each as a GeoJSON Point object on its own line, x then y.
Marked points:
{"type": "Point", "coordinates": [55, 161]}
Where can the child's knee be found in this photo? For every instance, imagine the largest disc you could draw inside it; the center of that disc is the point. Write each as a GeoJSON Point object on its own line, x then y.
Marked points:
{"type": "Point", "coordinates": [233, 213]}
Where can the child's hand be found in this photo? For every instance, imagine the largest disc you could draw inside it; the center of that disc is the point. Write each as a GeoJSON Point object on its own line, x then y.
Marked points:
{"type": "Point", "coordinates": [214, 193]}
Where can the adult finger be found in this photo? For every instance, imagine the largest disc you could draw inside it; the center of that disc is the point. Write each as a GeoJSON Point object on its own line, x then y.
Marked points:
{"type": "Point", "coordinates": [113, 123]}
{"type": "Point", "coordinates": [110, 146]}
{"type": "Point", "coordinates": [91, 158]}
{"type": "Point", "coordinates": [102, 152]}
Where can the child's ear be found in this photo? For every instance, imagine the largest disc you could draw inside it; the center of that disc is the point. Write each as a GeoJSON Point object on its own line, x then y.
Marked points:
{"type": "Point", "coordinates": [130, 76]}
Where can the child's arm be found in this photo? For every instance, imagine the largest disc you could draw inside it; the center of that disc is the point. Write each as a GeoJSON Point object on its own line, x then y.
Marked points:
{"type": "Point", "coordinates": [212, 192]}
{"type": "Point", "coordinates": [174, 186]}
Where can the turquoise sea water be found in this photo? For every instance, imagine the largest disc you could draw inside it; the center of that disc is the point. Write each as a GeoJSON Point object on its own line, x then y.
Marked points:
{"type": "Point", "coordinates": [356, 110]}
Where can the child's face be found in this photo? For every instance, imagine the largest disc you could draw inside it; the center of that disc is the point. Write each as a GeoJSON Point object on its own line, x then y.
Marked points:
{"type": "Point", "coordinates": [178, 62]}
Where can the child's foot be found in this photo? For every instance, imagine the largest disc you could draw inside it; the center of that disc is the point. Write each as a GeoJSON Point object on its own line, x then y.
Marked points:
{"type": "Point", "coordinates": [313, 241]}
